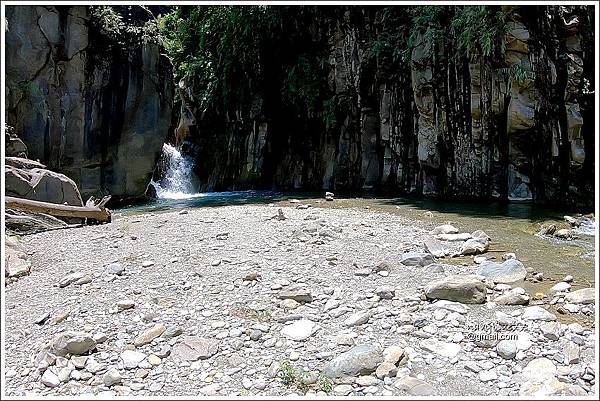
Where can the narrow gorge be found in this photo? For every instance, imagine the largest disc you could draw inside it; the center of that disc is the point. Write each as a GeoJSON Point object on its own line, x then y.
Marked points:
{"type": "Point", "coordinates": [482, 102]}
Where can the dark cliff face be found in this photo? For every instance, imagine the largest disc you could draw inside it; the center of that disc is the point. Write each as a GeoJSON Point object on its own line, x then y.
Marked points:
{"type": "Point", "coordinates": [93, 107]}
{"type": "Point", "coordinates": [519, 126]}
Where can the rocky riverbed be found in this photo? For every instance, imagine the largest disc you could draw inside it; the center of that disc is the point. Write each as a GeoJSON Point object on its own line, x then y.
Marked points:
{"type": "Point", "coordinates": [250, 300]}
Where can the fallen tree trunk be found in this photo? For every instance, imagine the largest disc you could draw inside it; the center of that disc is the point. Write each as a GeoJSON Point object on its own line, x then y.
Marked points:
{"type": "Point", "coordinates": [93, 210]}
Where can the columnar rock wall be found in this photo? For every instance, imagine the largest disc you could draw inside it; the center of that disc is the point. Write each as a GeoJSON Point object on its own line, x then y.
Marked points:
{"type": "Point", "coordinates": [435, 124]}
{"type": "Point", "coordinates": [98, 114]}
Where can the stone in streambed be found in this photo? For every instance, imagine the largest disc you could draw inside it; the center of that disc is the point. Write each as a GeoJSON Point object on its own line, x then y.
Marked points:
{"type": "Point", "coordinates": [459, 288]}
{"type": "Point", "coordinates": [195, 348]}
{"type": "Point", "coordinates": [583, 296]}
{"type": "Point", "coordinates": [298, 294]}
{"type": "Point", "coordinates": [507, 272]}
{"type": "Point", "coordinates": [299, 330]}
{"type": "Point", "coordinates": [414, 386]}
{"type": "Point", "coordinates": [416, 259]}
{"type": "Point", "coordinates": [474, 246]}
{"type": "Point", "coordinates": [360, 360]}
{"type": "Point", "coordinates": [70, 342]}
{"type": "Point", "coordinates": [444, 229]}
{"type": "Point", "coordinates": [147, 336]}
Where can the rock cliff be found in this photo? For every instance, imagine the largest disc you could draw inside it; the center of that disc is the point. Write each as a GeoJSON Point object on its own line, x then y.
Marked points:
{"type": "Point", "coordinates": [89, 99]}
{"type": "Point", "coordinates": [513, 125]}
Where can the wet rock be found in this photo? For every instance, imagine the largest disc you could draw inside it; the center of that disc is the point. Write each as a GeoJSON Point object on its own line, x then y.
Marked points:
{"type": "Point", "coordinates": [509, 271]}
{"type": "Point", "coordinates": [564, 233]}
{"type": "Point", "coordinates": [459, 288]}
{"type": "Point", "coordinates": [454, 237]}
{"type": "Point", "coordinates": [416, 259]}
{"type": "Point", "coordinates": [195, 348]}
{"type": "Point", "coordinates": [360, 360]}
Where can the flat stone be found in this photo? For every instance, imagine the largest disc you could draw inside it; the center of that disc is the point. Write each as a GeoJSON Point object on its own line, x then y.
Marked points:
{"type": "Point", "coordinates": [300, 330]}
{"type": "Point", "coordinates": [298, 294]}
{"type": "Point", "coordinates": [70, 278]}
{"type": "Point", "coordinates": [449, 350]}
{"type": "Point", "coordinates": [454, 237]}
{"type": "Point", "coordinates": [460, 288]}
{"type": "Point", "coordinates": [509, 271]}
{"type": "Point", "coordinates": [512, 297]}
{"type": "Point", "coordinates": [444, 229]}
{"type": "Point", "coordinates": [487, 375]}
{"type": "Point", "coordinates": [582, 296]}
{"type": "Point", "coordinates": [560, 287]}
{"type": "Point", "coordinates": [417, 259]}
{"type": "Point", "coordinates": [414, 386]}
{"type": "Point", "coordinates": [538, 313]}
{"type": "Point", "coordinates": [357, 319]}
{"type": "Point", "coordinates": [360, 360]}
{"type": "Point", "coordinates": [195, 348]}
{"type": "Point", "coordinates": [131, 359]}
{"type": "Point", "coordinates": [451, 306]}
{"type": "Point", "coordinates": [148, 335]}
{"type": "Point", "coordinates": [125, 304]}
{"type": "Point", "coordinates": [436, 248]}
{"type": "Point", "coordinates": [171, 332]}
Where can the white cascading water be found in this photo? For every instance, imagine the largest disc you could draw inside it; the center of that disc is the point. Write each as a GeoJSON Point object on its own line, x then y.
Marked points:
{"type": "Point", "coordinates": [177, 182]}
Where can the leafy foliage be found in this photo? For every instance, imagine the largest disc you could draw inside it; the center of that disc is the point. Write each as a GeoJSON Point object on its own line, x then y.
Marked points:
{"type": "Point", "coordinates": [110, 23]}
{"type": "Point", "coordinates": [480, 30]}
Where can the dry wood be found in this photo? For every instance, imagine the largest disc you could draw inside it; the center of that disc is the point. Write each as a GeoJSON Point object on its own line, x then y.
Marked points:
{"type": "Point", "coordinates": [93, 209]}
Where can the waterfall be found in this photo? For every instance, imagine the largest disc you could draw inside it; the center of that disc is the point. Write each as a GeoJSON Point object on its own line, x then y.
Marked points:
{"type": "Point", "coordinates": [177, 175]}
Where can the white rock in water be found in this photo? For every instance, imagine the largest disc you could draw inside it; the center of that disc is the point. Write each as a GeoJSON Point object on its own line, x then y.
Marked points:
{"type": "Point", "coordinates": [299, 330]}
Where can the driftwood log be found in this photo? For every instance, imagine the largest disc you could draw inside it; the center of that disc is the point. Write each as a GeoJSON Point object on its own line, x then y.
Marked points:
{"type": "Point", "coordinates": [94, 210]}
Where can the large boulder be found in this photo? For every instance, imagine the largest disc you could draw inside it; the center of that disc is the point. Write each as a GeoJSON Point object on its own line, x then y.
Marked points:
{"type": "Point", "coordinates": [509, 271]}
{"type": "Point", "coordinates": [468, 289]}
{"type": "Point", "coordinates": [41, 185]}
{"type": "Point", "coordinates": [582, 296]}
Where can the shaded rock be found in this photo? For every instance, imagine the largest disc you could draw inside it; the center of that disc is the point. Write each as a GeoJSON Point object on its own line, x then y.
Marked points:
{"type": "Point", "coordinates": [436, 248]}
{"type": "Point", "coordinates": [298, 294]}
{"type": "Point", "coordinates": [459, 288]}
{"type": "Point", "coordinates": [360, 360]}
{"type": "Point", "coordinates": [195, 348]}
{"type": "Point", "coordinates": [71, 342]}
{"type": "Point", "coordinates": [416, 259]}
{"type": "Point", "coordinates": [509, 271]}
